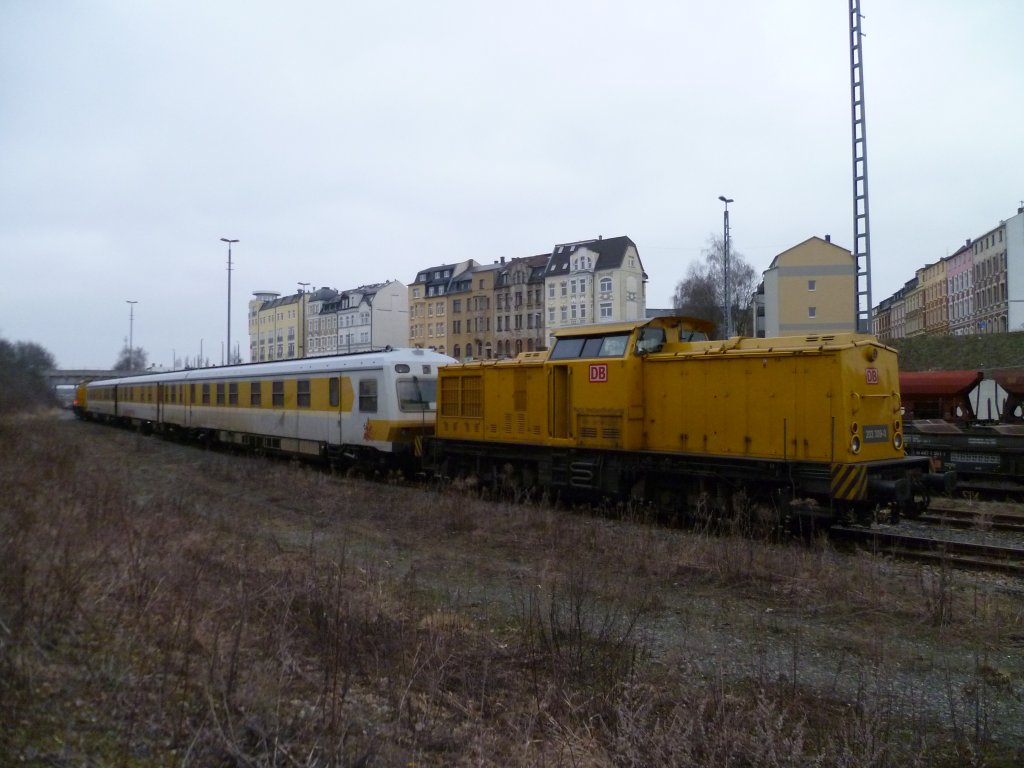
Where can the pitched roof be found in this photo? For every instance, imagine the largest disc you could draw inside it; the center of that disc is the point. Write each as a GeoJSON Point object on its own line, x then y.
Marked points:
{"type": "Point", "coordinates": [611, 252]}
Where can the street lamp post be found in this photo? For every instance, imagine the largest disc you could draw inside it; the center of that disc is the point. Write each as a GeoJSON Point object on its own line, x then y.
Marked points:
{"type": "Point", "coordinates": [725, 266]}
{"type": "Point", "coordinates": [131, 334]}
{"type": "Point", "coordinates": [229, 242]}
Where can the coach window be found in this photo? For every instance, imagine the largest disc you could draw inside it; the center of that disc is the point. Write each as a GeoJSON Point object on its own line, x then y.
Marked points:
{"type": "Point", "coordinates": [206, 394]}
{"type": "Point", "coordinates": [220, 393]}
{"type": "Point", "coordinates": [368, 395]}
{"type": "Point", "coordinates": [277, 394]}
{"type": "Point", "coordinates": [302, 396]}
{"type": "Point", "coordinates": [254, 394]}
{"type": "Point", "coordinates": [334, 388]}
{"type": "Point", "coordinates": [233, 393]}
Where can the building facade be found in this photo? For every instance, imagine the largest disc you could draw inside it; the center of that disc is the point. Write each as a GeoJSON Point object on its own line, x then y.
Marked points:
{"type": "Point", "coordinates": [428, 305]}
{"type": "Point", "coordinates": [960, 290]}
{"type": "Point", "coordinates": [810, 288]}
{"type": "Point", "coordinates": [519, 305]}
{"type": "Point", "coordinates": [980, 287]}
{"type": "Point", "coordinates": [593, 281]}
{"type": "Point", "coordinates": [275, 323]}
{"type": "Point", "coordinates": [359, 319]}
{"type": "Point", "coordinates": [913, 297]}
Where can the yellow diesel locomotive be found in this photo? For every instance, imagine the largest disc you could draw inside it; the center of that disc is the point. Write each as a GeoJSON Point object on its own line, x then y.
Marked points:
{"type": "Point", "coordinates": [655, 412]}
{"type": "Point", "coordinates": [371, 408]}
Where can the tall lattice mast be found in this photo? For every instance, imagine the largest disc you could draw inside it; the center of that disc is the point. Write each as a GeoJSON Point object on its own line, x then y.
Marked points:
{"type": "Point", "coordinates": [861, 223]}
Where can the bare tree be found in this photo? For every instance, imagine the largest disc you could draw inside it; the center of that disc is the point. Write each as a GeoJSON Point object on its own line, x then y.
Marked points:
{"type": "Point", "coordinates": [24, 367]}
{"type": "Point", "coordinates": [702, 292]}
{"type": "Point", "coordinates": [131, 360]}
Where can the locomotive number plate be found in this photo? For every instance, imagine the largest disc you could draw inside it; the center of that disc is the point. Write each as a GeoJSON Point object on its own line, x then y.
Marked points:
{"type": "Point", "coordinates": [876, 433]}
{"type": "Point", "coordinates": [598, 373]}
{"type": "Point", "coordinates": [871, 374]}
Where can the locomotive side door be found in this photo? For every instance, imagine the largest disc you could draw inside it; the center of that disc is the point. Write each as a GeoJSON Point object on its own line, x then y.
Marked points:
{"type": "Point", "coordinates": [559, 401]}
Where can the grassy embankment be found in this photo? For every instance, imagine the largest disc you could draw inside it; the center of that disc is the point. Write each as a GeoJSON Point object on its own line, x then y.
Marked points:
{"type": "Point", "coordinates": [163, 605]}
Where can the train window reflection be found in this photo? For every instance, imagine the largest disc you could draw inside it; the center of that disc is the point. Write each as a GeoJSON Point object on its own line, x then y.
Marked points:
{"type": "Point", "coordinates": [613, 345]}
{"type": "Point", "coordinates": [417, 394]}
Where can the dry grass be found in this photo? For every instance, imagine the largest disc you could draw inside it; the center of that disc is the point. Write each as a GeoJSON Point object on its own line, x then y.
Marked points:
{"type": "Point", "coordinates": [163, 605]}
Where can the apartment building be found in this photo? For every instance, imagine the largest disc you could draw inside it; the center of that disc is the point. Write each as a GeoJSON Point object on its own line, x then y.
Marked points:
{"type": "Point", "coordinates": [913, 296]}
{"type": "Point", "coordinates": [471, 302]}
{"type": "Point", "coordinates": [810, 288]}
{"type": "Point", "coordinates": [593, 281]}
{"type": "Point", "coordinates": [359, 319]}
{"type": "Point", "coordinates": [275, 323]}
{"type": "Point", "coordinates": [881, 320]}
{"type": "Point", "coordinates": [936, 305]}
{"type": "Point", "coordinates": [519, 305]}
{"type": "Point", "coordinates": [991, 297]}
{"type": "Point", "coordinates": [980, 287]}
{"type": "Point", "coordinates": [960, 290]}
{"type": "Point", "coordinates": [428, 305]}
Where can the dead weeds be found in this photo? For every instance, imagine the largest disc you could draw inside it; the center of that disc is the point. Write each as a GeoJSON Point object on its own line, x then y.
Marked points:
{"type": "Point", "coordinates": [164, 605]}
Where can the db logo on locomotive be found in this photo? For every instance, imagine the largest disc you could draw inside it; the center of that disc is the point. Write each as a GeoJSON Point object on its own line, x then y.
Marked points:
{"type": "Point", "coordinates": [598, 373]}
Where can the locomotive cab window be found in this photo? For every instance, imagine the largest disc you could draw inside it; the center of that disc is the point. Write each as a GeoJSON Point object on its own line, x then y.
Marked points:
{"type": "Point", "coordinates": [651, 340]}
{"type": "Point", "coordinates": [417, 395]}
{"type": "Point", "coordinates": [610, 345]}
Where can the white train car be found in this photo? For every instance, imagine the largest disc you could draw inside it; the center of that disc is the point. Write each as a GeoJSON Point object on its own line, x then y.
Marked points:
{"type": "Point", "coordinates": [372, 405]}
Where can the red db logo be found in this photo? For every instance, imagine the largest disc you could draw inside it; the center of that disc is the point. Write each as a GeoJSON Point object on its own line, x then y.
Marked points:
{"type": "Point", "coordinates": [598, 373]}
{"type": "Point", "coordinates": [872, 375]}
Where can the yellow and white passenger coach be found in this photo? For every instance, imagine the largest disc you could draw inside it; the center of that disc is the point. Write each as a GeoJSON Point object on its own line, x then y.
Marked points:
{"type": "Point", "coordinates": [369, 407]}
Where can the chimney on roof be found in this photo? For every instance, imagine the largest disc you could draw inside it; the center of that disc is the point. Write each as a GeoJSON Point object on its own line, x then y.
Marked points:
{"type": "Point", "coordinates": [600, 237]}
{"type": "Point", "coordinates": [828, 238]}
{"type": "Point", "coordinates": [968, 243]}
{"type": "Point", "coordinates": [502, 259]}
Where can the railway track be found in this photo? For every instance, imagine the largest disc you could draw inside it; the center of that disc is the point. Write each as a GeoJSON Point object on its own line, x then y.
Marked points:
{"type": "Point", "coordinates": [979, 519]}
{"type": "Point", "coordinates": [960, 554]}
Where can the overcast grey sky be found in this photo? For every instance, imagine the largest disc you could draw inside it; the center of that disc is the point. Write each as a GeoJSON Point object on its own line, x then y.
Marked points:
{"type": "Point", "coordinates": [346, 143]}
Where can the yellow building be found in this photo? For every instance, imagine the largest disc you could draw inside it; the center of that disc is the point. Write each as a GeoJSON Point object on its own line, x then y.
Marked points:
{"type": "Point", "coordinates": [913, 297]}
{"type": "Point", "coordinates": [810, 288]}
{"type": "Point", "coordinates": [936, 310]}
{"type": "Point", "coordinates": [471, 330]}
{"type": "Point", "coordinates": [276, 326]}
{"type": "Point", "coordinates": [428, 305]}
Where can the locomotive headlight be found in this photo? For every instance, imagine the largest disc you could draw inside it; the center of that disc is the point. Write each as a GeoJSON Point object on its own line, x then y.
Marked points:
{"type": "Point", "coordinates": [855, 444]}
{"type": "Point", "coordinates": [854, 428]}
{"type": "Point", "coordinates": [897, 441]}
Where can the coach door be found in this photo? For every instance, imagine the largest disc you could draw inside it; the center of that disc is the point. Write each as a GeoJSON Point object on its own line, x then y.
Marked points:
{"type": "Point", "coordinates": [334, 403]}
{"type": "Point", "coordinates": [159, 403]}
